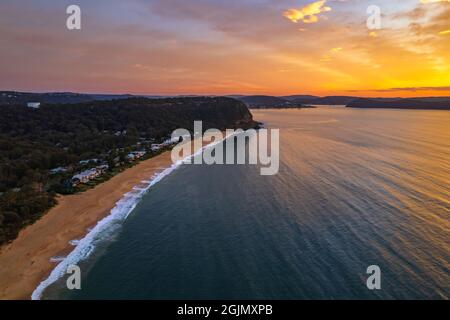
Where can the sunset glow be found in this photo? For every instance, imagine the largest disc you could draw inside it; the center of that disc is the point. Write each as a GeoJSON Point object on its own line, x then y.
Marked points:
{"type": "Point", "coordinates": [274, 47]}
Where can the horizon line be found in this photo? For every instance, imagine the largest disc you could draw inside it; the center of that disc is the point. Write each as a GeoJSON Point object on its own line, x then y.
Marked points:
{"type": "Point", "coordinates": [239, 94]}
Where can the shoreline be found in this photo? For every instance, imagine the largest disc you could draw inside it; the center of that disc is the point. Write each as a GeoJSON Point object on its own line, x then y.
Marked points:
{"type": "Point", "coordinates": [39, 255]}
{"type": "Point", "coordinates": [28, 258]}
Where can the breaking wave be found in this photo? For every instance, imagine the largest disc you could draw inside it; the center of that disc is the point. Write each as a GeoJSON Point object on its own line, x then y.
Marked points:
{"type": "Point", "coordinates": [108, 225]}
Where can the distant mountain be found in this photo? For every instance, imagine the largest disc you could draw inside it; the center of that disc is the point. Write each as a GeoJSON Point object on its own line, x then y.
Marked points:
{"type": "Point", "coordinates": [106, 97]}
{"type": "Point", "coordinates": [261, 102]}
{"type": "Point", "coordinates": [21, 98]}
{"type": "Point", "coordinates": [428, 103]}
{"type": "Point", "coordinates": [300, 98]}
{"type": "Point", "coordinates": [329, 100]}
{"type": "Point", "coordinates": [252, 102]}
{"type": "Point", "coordinates": [16, 98]}
{"type": "Point", "coordinates": [235, 96]}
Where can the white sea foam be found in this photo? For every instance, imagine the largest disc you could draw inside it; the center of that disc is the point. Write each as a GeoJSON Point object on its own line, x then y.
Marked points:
{"type": "Point", "coordinates": [107, 225]}
{"type": "Point", "coordinates": [57, 259]}
{"type": "Point", "coordinates": [140, 188]}
{"type": "Point", "coordinates": [74, 242]}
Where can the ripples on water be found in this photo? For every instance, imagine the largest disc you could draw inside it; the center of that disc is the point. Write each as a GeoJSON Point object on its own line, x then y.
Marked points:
{"type": "Point", "coordinates": [355, 188]}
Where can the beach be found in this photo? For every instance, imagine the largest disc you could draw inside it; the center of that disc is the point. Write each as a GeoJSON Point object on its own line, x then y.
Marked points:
{"type": "Point", "coordinates": [27, 260]}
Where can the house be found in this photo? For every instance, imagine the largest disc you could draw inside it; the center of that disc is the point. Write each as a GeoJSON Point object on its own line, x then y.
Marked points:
{"type": "Point", "coordinates": [85, 176]}
{"type": "Point", "coordinates": [120, 133]}
{"type": "Point", "coordinates": [175, 140]}
{"type": "Point", "coordinates": [34, 105]}
{"type": "Point", "coordinates": [156, 147]}
{"type": "Point", "coordinates": [135, 155]}
{"type": "Point", "coordinates": [139, 154]}
{"type": "Point", "coordinates": [102, 169]}
{"type": "Point", "coordinates": [84, 162]}
{"type": "Point", "coordinates": [58, 170]}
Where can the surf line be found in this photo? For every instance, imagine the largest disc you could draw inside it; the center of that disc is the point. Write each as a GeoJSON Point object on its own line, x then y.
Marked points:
{"type": "Point", "coordinates": [118, 215]}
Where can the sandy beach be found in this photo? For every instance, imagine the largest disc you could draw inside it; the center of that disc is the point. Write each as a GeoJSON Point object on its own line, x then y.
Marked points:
{"type": "Point", "coordinates": [25, 262]}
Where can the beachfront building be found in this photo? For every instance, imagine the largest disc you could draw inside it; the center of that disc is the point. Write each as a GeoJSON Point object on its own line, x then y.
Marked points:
{"type": "Point", "coordinates": [103, 168]}
{"type": "Point", "coordinates": [58, 170]}
{"type": "Point", "coordinates": [85, 176]}
{"type": "Point", "coordinates": [34, 105]}
{"type": "Point", "coordinates": [159, 146]}
{"type": "Point", "coordinates": [135, 155]}
{"type": "Point", "coordinates": [156, 147]}
{"type": "Point", "coordinates": [84, 162]}
{"type": "Point", "coordinates": [120, 133]}
{"type": "Point", "coordinates": [88, 175]}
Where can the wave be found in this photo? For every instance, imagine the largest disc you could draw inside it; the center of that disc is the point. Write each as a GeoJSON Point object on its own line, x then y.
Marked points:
{"type": "Point", "coordinates": [74, 242]}
{"type": "Point", "coordinates": [57, 259]}
{"type": "Point", "coordinates": [86, 246]}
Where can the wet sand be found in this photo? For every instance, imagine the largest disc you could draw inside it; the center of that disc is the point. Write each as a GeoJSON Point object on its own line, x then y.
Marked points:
{"type": "Point", "coordinates": [25, 262]}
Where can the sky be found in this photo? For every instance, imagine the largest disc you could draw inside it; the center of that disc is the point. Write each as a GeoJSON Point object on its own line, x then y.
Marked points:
{"type": "Point", "coordinates": [218, 47]}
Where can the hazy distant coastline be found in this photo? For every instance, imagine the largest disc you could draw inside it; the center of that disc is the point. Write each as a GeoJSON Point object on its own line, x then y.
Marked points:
{"type": "Point", "coordinates": [432, 103]}
{"type": "Point", "coordinates": [251, 101]}
{"type": "Point", "coordinates": [299, 101]}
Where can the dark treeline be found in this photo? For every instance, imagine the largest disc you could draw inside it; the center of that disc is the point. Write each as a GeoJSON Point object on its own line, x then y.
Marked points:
{"type": "Point", "coordinates": [21, 98]}
{"type": "Point", "coordinates": [34, 141]}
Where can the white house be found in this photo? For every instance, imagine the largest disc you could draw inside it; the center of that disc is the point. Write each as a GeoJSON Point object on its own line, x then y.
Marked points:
{"type": "Point", "coordinates": [140, 154]}
{"type": "Point", "coordinates": [58, 170]}
{"type": "Point", "coordinates": [157, 146]}
{"type": "Point", "coordinates": [34, 105]}
{"type": "Point", "coordinates": [103, 168]}
{"type": "Point", "coordinates": [84, 162]}
{"type": "Point", "coordinates": [85, 176]}
{"type": "Point", "coordinates": [136, 155]}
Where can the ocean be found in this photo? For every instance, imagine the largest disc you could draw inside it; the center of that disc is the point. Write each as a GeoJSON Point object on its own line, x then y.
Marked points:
{"type": "Point", "coordinates": [355, 188]}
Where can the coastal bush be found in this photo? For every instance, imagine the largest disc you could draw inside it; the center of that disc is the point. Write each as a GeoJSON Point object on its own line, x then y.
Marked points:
{"type": "Point", "coordinates": [34, 141]}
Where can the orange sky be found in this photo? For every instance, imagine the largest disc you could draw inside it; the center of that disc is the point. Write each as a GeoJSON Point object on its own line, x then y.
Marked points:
{"type": "Point", "coordinates": [269, 47]}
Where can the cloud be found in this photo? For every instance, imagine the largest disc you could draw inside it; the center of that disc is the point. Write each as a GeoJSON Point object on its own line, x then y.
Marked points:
{"type": "Point", "coordinates": [445, 32]}
{"type": "Point", "coordinates": [412, 89]}
{"type": "Point", "coordinates": [432, 1]}
{"type": "Point", "coordinates": [308, 13]}
{"type": "Point", "coordinates": [422, 89]}
{"type": "Point", "coordinates": [215, 47]}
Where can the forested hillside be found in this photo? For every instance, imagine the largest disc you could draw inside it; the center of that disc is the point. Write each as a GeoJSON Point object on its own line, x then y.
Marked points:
{"type": "Point", "coordinates": [35, 141]}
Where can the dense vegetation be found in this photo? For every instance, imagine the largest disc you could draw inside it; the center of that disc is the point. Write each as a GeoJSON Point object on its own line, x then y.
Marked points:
{"type": "Point", "coordinates": [21, 98]}
{"type": "Point", "coordinates": [34, 141]}
{"type": "Point", "coordinates": [289, 102]}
